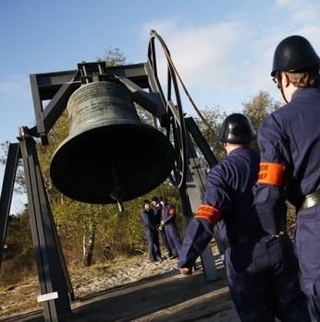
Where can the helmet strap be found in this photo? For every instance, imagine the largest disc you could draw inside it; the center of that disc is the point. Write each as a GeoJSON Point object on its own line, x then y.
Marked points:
{"type": "Point", "coordinates": [278, 79]}
{"type": "Point", "coordinates": [283, 95]}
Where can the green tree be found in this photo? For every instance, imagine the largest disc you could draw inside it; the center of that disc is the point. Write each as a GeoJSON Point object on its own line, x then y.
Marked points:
{"type": "Point", "coordinates": [209, 123]}
{"type": "Point", "coordinates": [258, 108]}
{"type": "Point", "coordinates": [113, 57]}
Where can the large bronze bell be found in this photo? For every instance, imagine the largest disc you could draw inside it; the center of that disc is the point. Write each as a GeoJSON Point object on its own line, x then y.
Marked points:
{"type": "Point", "coordinates": [109, 155]}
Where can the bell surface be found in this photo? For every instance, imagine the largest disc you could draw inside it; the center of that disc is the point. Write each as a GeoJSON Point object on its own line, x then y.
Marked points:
{"type": "Point", "coordinates": [109, 155]}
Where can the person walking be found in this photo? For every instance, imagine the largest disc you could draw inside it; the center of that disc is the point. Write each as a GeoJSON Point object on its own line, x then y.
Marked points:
{"type": "Point", "coordinates": [155, 201]}
{"type": "Point", "coordinates": [262, 269]}
{"type": "Point", "coordinates": [289, 141]}
{"type": "Point", "coordinates": [169, 225]}
{"type": "Point", "coordinates": [147, 216]}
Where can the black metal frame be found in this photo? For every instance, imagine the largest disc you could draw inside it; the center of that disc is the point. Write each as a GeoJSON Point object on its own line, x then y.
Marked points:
{"type": "Point", "coordinates": [55, 285]}
{"type": "Point", "coordinates": [56, 88]}
{"type": "Point", "coordinates": [7, 191]}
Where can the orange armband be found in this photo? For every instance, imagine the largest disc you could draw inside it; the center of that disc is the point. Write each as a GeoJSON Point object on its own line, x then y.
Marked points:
{"type": "Point", "coordinates": [271, 173]}
{"type": "Point", "coordinates": [208, 213]}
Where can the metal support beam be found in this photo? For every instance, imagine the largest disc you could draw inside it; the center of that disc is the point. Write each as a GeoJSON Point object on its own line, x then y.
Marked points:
{"type": "Point", "coordinates": [195, 186]}
{"type": "Point", "coordinates": [7, 191]}
{"type": "Point", "coordinates": [51, 267]}
{"type": "Point", "coordinates": [205, 149]}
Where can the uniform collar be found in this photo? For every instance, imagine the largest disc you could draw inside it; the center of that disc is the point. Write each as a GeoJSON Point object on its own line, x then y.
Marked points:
{"type": "Point", "coordinates": [238, 150]}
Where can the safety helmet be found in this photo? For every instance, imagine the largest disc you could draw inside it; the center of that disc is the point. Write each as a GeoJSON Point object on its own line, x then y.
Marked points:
{"type": "Point", "coordinates": [237, 128]}
{"type": "Point", "coordinates": [292, 54]}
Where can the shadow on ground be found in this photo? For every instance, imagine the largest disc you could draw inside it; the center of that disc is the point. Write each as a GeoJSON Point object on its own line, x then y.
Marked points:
{"type": "Point", "coordinates": [165, 297]}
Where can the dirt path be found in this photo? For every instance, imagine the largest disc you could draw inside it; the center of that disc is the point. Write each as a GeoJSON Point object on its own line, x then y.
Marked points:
{"type": "Point", "coordinates": [144, 291]}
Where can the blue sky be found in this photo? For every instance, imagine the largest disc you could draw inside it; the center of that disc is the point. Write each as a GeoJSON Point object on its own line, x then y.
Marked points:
{"type": "Point", "coordinates": [222, 49]}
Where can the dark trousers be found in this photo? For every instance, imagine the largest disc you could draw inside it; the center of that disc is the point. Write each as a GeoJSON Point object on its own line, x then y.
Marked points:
{"type": "Point", "coordinates": [165, 241]}
{"type": "Point", "coordinates": [307, 241]}
{"type": "Point", "coordinates": [156, 243]}
{"type": "Point", "coordinates": [173, 238]}
{"type": "Point", "coordinates": [153, 248]}
{"type": "Point", "coordinates": [264, 282]}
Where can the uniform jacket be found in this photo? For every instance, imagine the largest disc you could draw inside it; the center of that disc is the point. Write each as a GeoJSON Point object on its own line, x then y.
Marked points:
{"type": "Point", "coordinates": [229, 189]}
{"type": "Point", "coordinates": [169, 214]}
{"type": "Point", "coordinates": [285, 139]}
{"type": "Point", "coordinates": [148, 218]}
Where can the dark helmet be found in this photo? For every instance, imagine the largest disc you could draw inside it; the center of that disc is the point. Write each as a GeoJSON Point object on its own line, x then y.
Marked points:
{"type": "Point", "coordinates": [237, 128]}
{"type": "Point", "coordinates": [292, 54]}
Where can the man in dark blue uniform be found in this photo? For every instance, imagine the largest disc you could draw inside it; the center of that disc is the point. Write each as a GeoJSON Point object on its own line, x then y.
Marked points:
{"type": "Point", "coordinates": [170, 227]}
{"type": "Point", "coordinates": [262, 270]}
{"type": "Point", "coordinates": [148, 219]}
{"type": "Point", "coordinates": [155, 201]}
{"type": "Point", "coordinates": [289, 141]}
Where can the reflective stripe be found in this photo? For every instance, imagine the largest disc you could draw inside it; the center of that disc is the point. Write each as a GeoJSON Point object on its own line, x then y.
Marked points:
{"type": "Point", "coordinates": [208, 213]}
{"type": "Point", "coordinates": [271, 173]}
